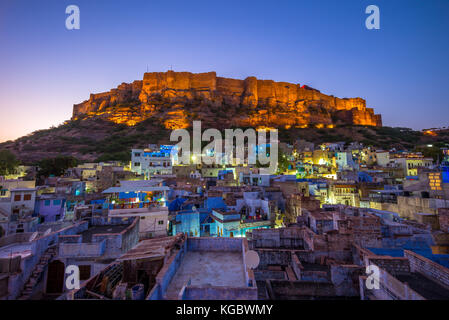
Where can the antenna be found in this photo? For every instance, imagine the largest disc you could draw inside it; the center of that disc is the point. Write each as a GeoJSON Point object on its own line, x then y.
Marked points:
{"type": "Point", "coordinates": [147, 68]}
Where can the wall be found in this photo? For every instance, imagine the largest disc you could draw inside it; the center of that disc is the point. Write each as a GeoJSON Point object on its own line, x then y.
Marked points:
{"type": "Point", "coordinates": [443, 216]}
{"type": "Point", "coordinates": [428, 268]}
{"type": "Point", "coordinates": [214, 244]}
{"type": "Point", "coordinates": [219, 293]}
{"type": "Point", "coordinates": [166, 274]}
{"type": "Point", "coordinates": [390, 288]}
{"type": "Point", "coordinates": [39, 245]}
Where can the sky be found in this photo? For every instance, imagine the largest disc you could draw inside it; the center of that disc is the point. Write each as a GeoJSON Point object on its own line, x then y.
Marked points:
{"type": "Point", "coordinates": [402, 70]}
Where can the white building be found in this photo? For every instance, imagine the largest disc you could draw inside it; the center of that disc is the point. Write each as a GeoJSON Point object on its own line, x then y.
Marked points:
{"type": "Point", "coordinates": [153, 221]}
{"type": "Point", "coordinates": [411, 165]}
{"type": "Point", "coordinates": [344, 160]}
{"type": "Point", "coordinates": [383, 158]}
{"type": "Point", "coordinates": [149, 163]}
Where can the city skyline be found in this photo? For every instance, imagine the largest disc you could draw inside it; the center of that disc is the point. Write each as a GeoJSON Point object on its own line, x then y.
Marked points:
{"type": "Point", "coordinates": [400, 69]}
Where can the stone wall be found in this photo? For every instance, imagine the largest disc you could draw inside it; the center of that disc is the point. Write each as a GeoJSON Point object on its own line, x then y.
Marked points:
{"type": "Point", "coordinates": [428, 268]}
{"type": "Point", "coordinates": [280, 103]}
{"type": "Point", "coordinates": [393, 265]}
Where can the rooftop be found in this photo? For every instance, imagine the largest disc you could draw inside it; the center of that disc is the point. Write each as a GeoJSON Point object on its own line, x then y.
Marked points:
{"type": "Point", "coordinates": [107, 229]}
{"type": "Point", "coordinates": [209, 268]}
{"type": "Point", "coordinates": [425, 287]}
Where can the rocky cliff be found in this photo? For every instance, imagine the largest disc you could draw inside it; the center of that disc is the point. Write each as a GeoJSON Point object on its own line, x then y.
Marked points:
{"type": "Point", "coordinates": [177, 98]}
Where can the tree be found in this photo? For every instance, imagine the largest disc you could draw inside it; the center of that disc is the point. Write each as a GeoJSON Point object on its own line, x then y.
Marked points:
{"type": "Point", "coordinates": [56, 166]}
{"type": "Point", "coordinates": [431, 152]}
{"type": "Point", "coordinates": [8, 162]}
{"type": "Point", "coordinates": [283, 162]}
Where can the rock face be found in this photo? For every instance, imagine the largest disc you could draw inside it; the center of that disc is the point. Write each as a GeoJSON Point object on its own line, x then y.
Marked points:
{"type": "Point", "coordinates": [178, 98]}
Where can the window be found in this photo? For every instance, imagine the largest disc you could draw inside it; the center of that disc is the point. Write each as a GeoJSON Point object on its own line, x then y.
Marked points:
{"type": "Point", "coordinates": [47, 203]}
{"type": "Point", "coordinates": [3, 193]}
{"type": "Point", "coordinates": [161, 222]}
{"type": "Point", "coordinates": [137, 154]}
{"type": "Point", "coordinates": [136, 164]}
{"type": "Point", "coordinates": [27, 197]}
{"type": "Point", "coordinates": [17, 197]}
{"type": "Point", "coordinates": [84, 272]}
{"type": "Point", "coordinates": [57, 202]}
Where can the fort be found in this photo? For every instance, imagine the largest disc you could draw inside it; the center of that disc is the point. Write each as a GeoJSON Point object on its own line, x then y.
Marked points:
{"type": "Point", "coordinates": [247, 102]}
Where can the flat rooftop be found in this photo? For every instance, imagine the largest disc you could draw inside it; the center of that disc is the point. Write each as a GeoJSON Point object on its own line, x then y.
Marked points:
{"type": "Point", "coordinates": [107, 229]}
{"type": "Point", "coordinates": [425, 287]}
{"type": "Point", "coordinates": [217, 269]}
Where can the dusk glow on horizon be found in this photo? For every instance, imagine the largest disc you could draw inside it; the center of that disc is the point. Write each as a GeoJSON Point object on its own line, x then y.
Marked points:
{"type": "Point", "coordinates": [400, 70]}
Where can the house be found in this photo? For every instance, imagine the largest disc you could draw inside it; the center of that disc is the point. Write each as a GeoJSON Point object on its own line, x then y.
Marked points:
{"type": "Point", "coordinates": [50, 207]}
{"type": "Point", "coordinates": [149, 163]}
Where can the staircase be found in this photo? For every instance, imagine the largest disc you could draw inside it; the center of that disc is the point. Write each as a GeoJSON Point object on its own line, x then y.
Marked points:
{"type": "Point", "coordinates": [37, 273]}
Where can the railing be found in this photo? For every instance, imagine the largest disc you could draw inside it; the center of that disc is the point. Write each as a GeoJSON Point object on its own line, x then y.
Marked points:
{"type": "Point", "coordinates": [136, 205]}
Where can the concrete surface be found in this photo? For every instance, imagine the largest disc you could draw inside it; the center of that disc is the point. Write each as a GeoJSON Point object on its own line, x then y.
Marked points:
{"type": "Point", "coordinates": [218, 269]}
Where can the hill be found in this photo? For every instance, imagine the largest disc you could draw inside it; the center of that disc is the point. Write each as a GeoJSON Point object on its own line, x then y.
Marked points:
{"type": "Point", "coordinates": [95, 139]}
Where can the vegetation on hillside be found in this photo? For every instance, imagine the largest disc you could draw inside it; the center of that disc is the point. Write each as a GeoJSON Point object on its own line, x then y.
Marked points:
{"type": "Point", "coordinates": [8, 162]}
{"type": "Point", "coordinates": [96, 139]}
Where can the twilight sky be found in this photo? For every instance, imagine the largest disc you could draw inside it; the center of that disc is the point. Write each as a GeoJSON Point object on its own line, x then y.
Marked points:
{"type": "Point", "coordinates": [402, 70]}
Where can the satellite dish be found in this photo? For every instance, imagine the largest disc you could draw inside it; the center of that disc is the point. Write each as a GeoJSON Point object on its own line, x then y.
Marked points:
{"type": "Point", "coordinates": [46, 233]}
{"type": "Point", "coordinates": [252, 259]}
{"type": "Point", "coordinates": [33, 236]}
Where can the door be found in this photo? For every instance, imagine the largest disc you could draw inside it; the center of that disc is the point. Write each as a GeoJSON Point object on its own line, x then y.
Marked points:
{"type": "Point", "coordinates": [55, 278]}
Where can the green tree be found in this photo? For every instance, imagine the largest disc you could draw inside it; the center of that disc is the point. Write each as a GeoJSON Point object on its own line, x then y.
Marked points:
{"type": "Point", "coordinates": [431, 152]}
{"type": "Point", "coordinates": [56, 166]}
{"type": "Point", "coordinates": [8, 162]}
{"type": "Point", "coordinates": [283, 162]}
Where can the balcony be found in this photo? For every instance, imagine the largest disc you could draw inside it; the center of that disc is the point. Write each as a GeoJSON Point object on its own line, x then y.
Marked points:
{"type": "Point", "coordinates": [137, 205]}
